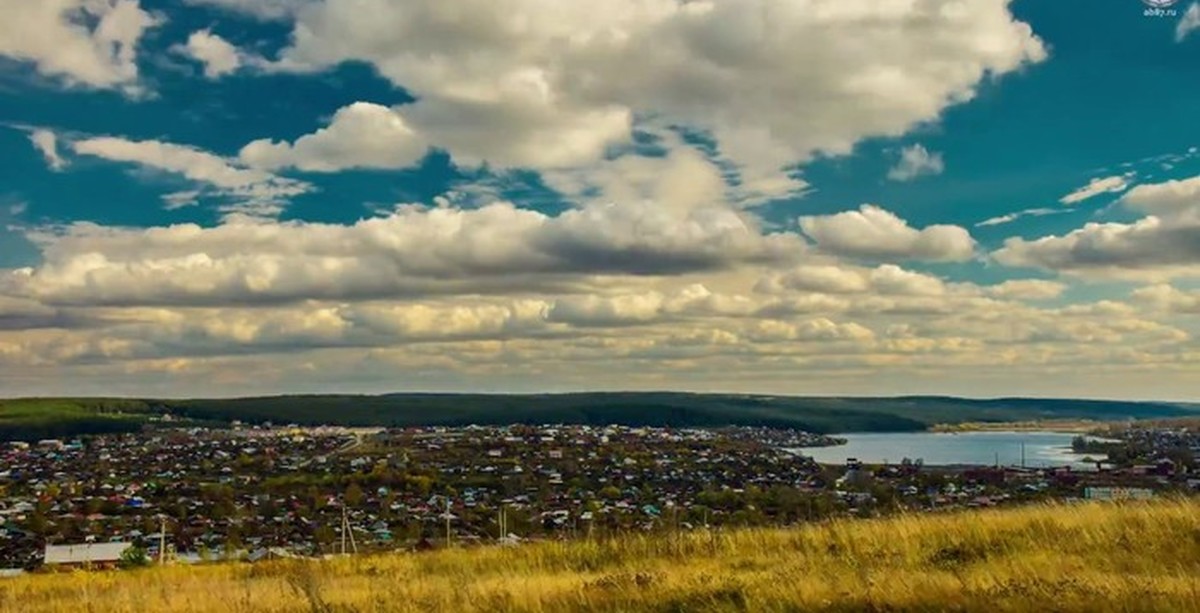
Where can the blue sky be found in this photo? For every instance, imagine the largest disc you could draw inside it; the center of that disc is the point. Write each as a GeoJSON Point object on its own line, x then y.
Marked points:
{"type": "Point", "coordinates": [823, 197]}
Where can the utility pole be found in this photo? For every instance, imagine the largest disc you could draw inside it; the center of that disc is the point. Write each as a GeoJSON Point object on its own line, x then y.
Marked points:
{"type": "Point", "coordinates": [347, 534]}
{"type": "Point", "coordinates": [447, 522]}
{"type": "Point", "coordinates": [343, 530]}
{"type": "Point", "coordinates": [162, 540]}
{"type": "Point", "coordinates": [503, 523]}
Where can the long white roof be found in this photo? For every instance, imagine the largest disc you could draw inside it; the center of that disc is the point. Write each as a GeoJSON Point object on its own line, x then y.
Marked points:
{"type": "Point", "coordinates": [82, 553]}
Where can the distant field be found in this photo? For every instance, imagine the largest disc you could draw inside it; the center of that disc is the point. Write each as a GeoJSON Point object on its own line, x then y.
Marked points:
{"type": "Point", "coordinates": [1133, 557]}
{"type": "Point", "coordinates": [39, 418]}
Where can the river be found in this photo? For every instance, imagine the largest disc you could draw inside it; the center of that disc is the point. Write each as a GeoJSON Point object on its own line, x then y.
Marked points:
{"type": "Point", "coordinates": [940, 448]}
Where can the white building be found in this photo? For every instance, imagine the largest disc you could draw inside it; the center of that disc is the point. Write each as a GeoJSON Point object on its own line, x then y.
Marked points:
{"type": "Point", "coordinates": [85, 553]}
{"type": "Point", "coordinates": [1117, 493]}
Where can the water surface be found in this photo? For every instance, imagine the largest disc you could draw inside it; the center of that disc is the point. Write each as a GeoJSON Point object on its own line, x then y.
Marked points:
{"type": "Point", "coordinates": [939, 448]}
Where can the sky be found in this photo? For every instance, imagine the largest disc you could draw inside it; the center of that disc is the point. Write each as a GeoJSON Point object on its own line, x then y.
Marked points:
{"type": "Point", "coordinates": [851, 197]}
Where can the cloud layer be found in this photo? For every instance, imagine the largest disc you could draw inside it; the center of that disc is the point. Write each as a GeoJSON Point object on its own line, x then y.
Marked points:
{"type": "Point", "coordinates": [639, 197]}
{"type": "Point", "coordinates": [412, 252]}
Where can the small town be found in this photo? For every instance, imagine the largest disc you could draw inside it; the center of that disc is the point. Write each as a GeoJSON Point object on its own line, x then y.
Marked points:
{"type": "Point", "coordinates": [190, 495]}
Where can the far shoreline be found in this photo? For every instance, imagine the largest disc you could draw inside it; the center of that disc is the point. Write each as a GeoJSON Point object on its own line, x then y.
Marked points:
{"type": "Point", "coordinates": [1068, 426]}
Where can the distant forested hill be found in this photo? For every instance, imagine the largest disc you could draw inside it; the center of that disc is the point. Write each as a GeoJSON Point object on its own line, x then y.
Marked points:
{"type": "Point", "coordinates": [40, 418]}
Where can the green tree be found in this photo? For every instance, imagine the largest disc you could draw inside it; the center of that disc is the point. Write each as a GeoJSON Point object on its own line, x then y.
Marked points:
{"type": "Point", "coordinates": [37, 523]}
{"type": "Point", "coordinates": [134, 557]}
{"type": "Point", "coordinates": [354, 495]}
{"type": "Point", "coordinates": [324, 536]}
{"type": "Point", "coordinates": [233, 542]}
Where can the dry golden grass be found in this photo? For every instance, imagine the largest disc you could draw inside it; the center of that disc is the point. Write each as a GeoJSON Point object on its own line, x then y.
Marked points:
{"type": "Point", "coordinates": [1129, 557]}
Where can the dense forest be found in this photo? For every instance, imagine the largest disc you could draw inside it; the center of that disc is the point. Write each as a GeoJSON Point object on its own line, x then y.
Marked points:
{"type": "Point", "coordinates": [31, 419]}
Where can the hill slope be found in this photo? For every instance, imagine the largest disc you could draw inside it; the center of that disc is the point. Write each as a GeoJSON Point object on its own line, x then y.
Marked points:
{"type": "Point", "coordinates": [39, 418]}
{"type": "Point", "coordinates": [1141, 557]}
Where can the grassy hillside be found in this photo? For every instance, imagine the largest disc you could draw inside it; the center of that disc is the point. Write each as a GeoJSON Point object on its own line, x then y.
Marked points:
{"type": "Point", "coordinates": [39, 418]}
{"type": "Point", "coordinates": [1135, 557]}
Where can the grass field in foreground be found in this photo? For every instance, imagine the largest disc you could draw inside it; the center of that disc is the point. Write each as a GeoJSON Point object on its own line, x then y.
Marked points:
{"type": "Point", "coordinates": [1093, 557]}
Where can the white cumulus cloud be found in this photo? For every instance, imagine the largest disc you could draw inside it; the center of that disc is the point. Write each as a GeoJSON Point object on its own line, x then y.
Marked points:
{"type": "Point", "coordinates": [874, 233]}
{"type": "Point", "coordinates": [885, 279]}
{"type": "Point", "coordinates": [218, 55]}
{"type": "Point", "coordinates": [1169, 298]}
{"type": "Point", "coordinates": [1163, 244]}
{"type": "Point", "coordinates": [1027, 289]}
{"type": "Point", "coordinates": [683, 179]}
{"type": "Point", "coordinates": [916, 161]}
{"type": "Point", "coordinates": [362, 135]}
{"type": "Point", "coordinates": [84, 42]}
{"type": "Point", "coordinates": [531, 83]}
